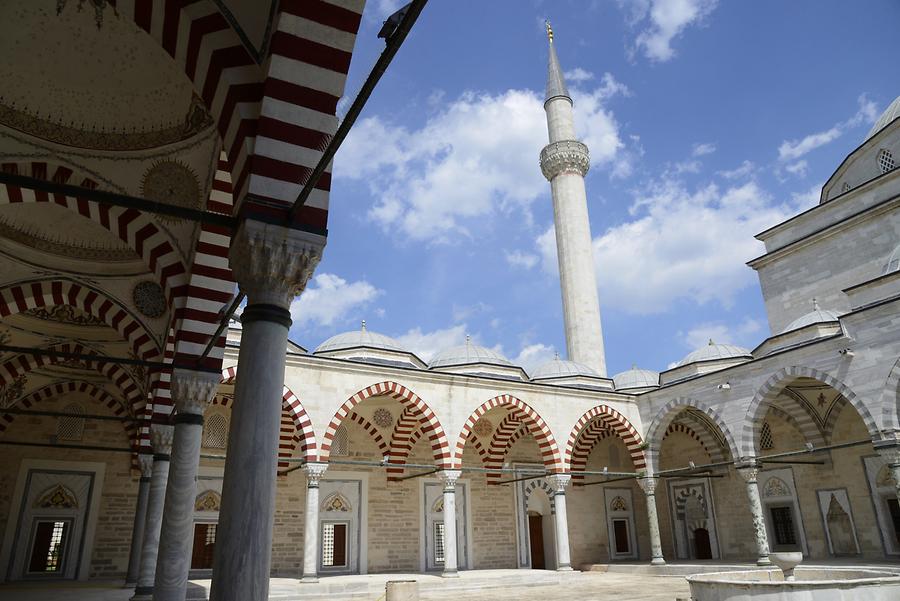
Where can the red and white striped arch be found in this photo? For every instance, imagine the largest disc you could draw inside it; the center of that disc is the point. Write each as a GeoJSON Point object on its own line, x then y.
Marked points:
{"type": "Point", "coordinates": [510, 429]}
{"type": "Point", "coordinates": [405, 435]}
{"type": "Point", "coordinates": [132, 227]}
{"type": "Point", "coordinates": [58, 389]}
{"type": "Point", "coordinates": [593, 434]}
{"type": "Point", "coordinates": [536, 425]}
{"type": "Point", "coordinates": [124, 381]}
{"type": "Point", "coordinates": [431, 427]}
{"type": "Point", "coordinates": [616, 422]}
{"type": "Point", "coordinates": [50, 293]}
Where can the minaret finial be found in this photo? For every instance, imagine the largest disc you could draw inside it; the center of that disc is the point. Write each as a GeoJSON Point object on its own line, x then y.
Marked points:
{"type": "Point", "coordinates": [363, 325]}
{"type": "Point", "coordinates": [549, 30]}
{"type": "Point", "coordinates": [815, 305]}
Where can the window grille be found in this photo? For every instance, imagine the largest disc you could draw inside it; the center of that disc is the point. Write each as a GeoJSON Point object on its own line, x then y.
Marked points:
{"type": "Point", "coordinates": [766, 441]}
{"type": "Point", "coordinates": [215, 431]}
{"type": "Point", "coordinates": [211, 534]}
{"type": "Point", "coordinates": [439, 542]}
{"type": "Point", "coordinates": [885, 160]}
{"type": "Point", "coordinates": [341, 444]}
{"type": "Point", "coordinates": [334, 545]}
{"type": "Point", "coordinates": [71, 428]}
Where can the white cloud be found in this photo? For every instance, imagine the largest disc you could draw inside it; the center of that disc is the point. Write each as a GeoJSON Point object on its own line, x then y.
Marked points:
{"type": "Point", "coordinates": [533, 355]}
{"type": "Point", "coordinates": [746, 168]}
{"type": "Point", "coordinates": [799, 168]}
{"type": "Point", "coordinates": [386, 8]}
{"type": "Point", "coordinates": [578, 74]}
{"type": "Point", "coordinates": [519, 258]}
{"type": "Point", "coordinates": [427, 344]}
{"type": "Point", "coordinates": [679, 244]}
{"type": "Point", "coordinates": [700, 150]}
{"type": "Point", "coordinates": [331, 299]}
{"type": "Point", "coordinates": [474, 158]}
{"type": "Point", "coordinates": [662, 21]}
{"type": "Point", "coordinates": [791, 150]}
{"type": "Point", "coordinates": [745, 333]}
{"type": "Point", "coordinates": [808, 198]}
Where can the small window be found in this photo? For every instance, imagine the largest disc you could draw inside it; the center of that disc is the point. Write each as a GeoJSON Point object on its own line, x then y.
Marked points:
{"type": "Point", "coordinates": [204, 546]}
{"type": "Point", "coordinates": [885, 160]}
{"type": "Point", "coordinates": [48, 546]}
{"type": "Point", "coordinates": [71, 428]}
{"type": "Point", "coordinates": [215, 431]}
{"type": "Point", "coordinates": [340, 446]}
{"type": "Point", "coordinates": [783, 526]}
{"type": "Point", "coordinates": [766, 442]}
{"type": "Point", "coordinates": [334, 545]}
{"type": "Point", "coordinates": [439, 542]}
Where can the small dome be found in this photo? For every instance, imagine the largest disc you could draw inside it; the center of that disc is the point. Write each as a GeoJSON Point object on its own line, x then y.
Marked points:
{"type": "Point", "coordinates": [817, 315]}
{"type": "Point", "coordinates": [560, 368]}
{"type": "Point", "coordinates": [713, 351]}
{"type": "Point", "coordinates": [889, 114]}
{"type": "Point", "coordinates": [636, 378]}
{"type": "Point", "coordinates": [466, 354]}
{"type": "Point", "coordinates": [359, 338]}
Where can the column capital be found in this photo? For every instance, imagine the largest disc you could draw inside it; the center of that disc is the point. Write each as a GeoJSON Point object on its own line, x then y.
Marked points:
{"type": "Point", "coordinates": [273, 263]}
{"type": "Point", "coordinates": [161, 437]}
{"type": "Point", "coordinates": [145, 463]}
{"type": "Point", "coordinates": [449, 478]}
{"type": "Point", "coordinates": [891, 453]}
{"type": "Point", "coordinates": [193, 391]}
{"type": "Point", "coordinates": [314, 472]}
{"type": "Point", "coordinates": [750, 473]}
{"type": "Point", "coordinates": [559, 482]}
{"type": "Point", "coordinates": [648, 484]}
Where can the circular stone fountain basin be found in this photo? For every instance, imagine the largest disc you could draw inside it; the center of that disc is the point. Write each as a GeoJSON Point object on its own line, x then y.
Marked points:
{"type": "Point", "coordinates": [811, 584]}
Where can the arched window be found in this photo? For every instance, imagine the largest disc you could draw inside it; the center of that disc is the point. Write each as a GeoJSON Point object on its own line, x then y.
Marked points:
{"type": "Point", "coordinates": [885, 160]}
{"type": "Point", "coordinates": [71, 428]}
{"type": "Point", "coordinates": [215, 431]}
{"type": "Point", "coordinates": [766, 441]}
{"type": "Point", "coordinates": [341, 444]}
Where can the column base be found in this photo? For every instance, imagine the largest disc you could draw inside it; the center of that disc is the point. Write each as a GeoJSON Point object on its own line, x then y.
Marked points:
{"type": "Point", "coordinates": [450, 574]}
{"type": "Point", "coordinates": [129, 584]}
{"type": "Point", "coordinates": [564, 569]}
{"type": "Point", "coordinates": [764, 561]}
{"type": "Point", "coordinates": [142, 593]}
{"type": "Point", "coordinates": [657, 561]}
{"type": "Point", "coordinates": [309, 579]}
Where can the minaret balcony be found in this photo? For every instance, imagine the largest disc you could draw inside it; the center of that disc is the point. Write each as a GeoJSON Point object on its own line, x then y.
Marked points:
{"type": "Point", "coordinates": [566, 156]}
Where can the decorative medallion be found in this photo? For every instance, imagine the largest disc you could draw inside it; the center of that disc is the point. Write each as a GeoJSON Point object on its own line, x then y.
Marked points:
{"type": "Point", "coordinates": [149, 299]}
{"type": "Point", "coordinates": [336, 502]}
{"type": "Point", "coordinates": [483, 427]}
{"type": "Point", "coordinates": [618, 504]}
{"type": "Point", "coordinates": [776, 487]}
{"type": "Point", "coordinates": [171, 183]}
{"type": "Point", "coordinates": [10, 393]}
{"type": "Point", "coordinates": [58, 497]}
{"type": "Point", "coordinates": [382, 417]}
{"type": "Point", "coordinates": [209, 500]}
{"type": "Point", "coordinates": [65, 314]}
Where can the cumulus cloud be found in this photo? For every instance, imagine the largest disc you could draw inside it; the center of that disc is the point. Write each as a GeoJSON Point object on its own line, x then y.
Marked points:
{"type": "Point", "coordinates": [791, 150]}
{"type": "Point", "coordinates": [700, 150]}
{"type": "Point", "coordinates": [578, 74]}
{"type": "Point", "coordinates": [679, 244]}
{"type": "Point", "coordinates": [533, 355]}
{"type": "Point", "coordinates": [746, 168]}
{"type": "Point", "coordinates": [474, 158]}
{"type": "Point", "coordinates": [517, 258]}
{"type": "Point", "coordinates": [799, 168]}
{"type": "Point", "coordinates": [661, 21]}
{"type": "Point", "coordinates": [746, 333]}
{"type": "Point", "coordinates": [427, 344]}
{"type": "Point", "coordinates": [331, 300]}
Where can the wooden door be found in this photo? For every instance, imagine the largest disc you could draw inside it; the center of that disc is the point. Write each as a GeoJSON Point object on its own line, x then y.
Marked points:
{"type": "Point", "coordinates": [620, 528]}
{"type": "Point", "coordinates": [702, 547]}
{"type": "Point", "coordinates": [536, 536]}
{"type": "Point", "coordinates": [204, 546]}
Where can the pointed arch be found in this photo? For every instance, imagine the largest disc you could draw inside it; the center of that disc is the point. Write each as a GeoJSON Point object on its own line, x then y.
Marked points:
{"type": "Point", "coordinates": [22, 296]}
{"type": "Point", "coordinates": [405, 435]}
{"type": "Point", "coordinates": [550, 454]}
{"type": "Point", "coordinates": [430, 425]}
{"type": "Point", "coordinates": [615, 421]}
{"type": "Point", "coordinates": [771, 388]}
{"type": "Point", "coordinates": [510, 429]}
{"type": "Point", "coordinates": [890, 398]}
{"type": "Point", "coordinates": [667, 414]}
{"type": "Point", "coordinates": [592, 435]}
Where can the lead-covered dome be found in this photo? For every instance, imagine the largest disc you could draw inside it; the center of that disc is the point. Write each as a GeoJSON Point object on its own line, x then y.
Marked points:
{"type": "Point", "coordinates": [467, 354]}
{"type": "Point", "coordinates": [890, 113]}
{"type": "Point", "coordinates": [714, 352]}
{"type": "Point", "coordinates": [636, 378]}
{"type": "Point", "coordinates": [561, 368]}
{"type": "Point", "coordinates": [361, 338]}
{"type": "Point", "coordinates": [817, 315]}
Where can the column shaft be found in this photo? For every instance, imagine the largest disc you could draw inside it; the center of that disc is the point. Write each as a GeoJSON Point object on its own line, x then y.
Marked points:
{"type": "Point", "coordinates": [656, 554]}
{"type": "Point", "coordinates": [150, 550]}
{"type": "Point", "coordinates": [450, 543]}
{"type": "Point", "coordinates": [759, 522]}
{"type": "Point", "coordinates": [314, 472]}
{"type": "Point", "coordinates": [563, 558]}
{"type": "Point", "coordinates": [137, 533]}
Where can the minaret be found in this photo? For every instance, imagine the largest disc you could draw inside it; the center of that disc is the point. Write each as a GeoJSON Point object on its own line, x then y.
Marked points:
{"type": "Point", "coordinates": [564, 162]}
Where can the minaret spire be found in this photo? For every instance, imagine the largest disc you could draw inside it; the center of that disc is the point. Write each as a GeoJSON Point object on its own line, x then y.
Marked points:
{"type": "Point", "coordinates": [565, 161]}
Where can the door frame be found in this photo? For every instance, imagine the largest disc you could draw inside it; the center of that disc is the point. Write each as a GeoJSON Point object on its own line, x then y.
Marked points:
{"type": "Point", "coordinates": [363, 516]}
{"type": "Point", "coordinates": [16, 510]}
{"type": "Point", "coordinates": [423, 523]}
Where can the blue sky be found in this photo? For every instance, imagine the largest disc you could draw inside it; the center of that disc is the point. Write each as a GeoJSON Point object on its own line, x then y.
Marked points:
{"type": "Point", "coordinates": [707, 123]}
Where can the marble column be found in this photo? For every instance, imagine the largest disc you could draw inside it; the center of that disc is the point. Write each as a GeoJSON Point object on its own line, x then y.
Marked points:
{"type": "Point", "coordinates": [750, 474]}
{"type": "Point", "coordinates": [648, 485]}
{"type": "Point", "coordinates": [191, 393]}
{"type": "Point", "coordinates": [892, 454]}
{"type": "Point", "coordinates": [451, 559]}
{"type": "Point", "coordinates": [145, 461]}
{"type": "Point", "coordinates": [559, 482]}
{"type": "Point", "coordinates": [161, 439]}
{"type": "Point", "coordinates": [272, 265]}
{"type": "Point", "coordinates": [314, 473]}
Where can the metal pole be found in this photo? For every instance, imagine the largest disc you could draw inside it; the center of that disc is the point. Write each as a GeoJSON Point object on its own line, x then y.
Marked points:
{"type": "Point", "coordinates": [84, 447]}
{"type": "Point", "coordinates": [104, 359]}
{"type": "Point", "coordinates": [112, 418]}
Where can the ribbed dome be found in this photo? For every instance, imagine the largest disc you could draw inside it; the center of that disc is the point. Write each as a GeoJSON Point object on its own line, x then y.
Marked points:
{"type": "Point", "coordinates": [560, 368]}
{"type": "Point", "coordinates": [713, 351]}
{"type": "Point", "coordinates": [889, 114]}
{"type": "Point", "coordinates": [466, 354]}
{"type": "Point", "coordinates": [360, 338]}
{"type": "Point", "coordinates": [635, 378]}
{"type": "Point", "coordinates": [817, 315]}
